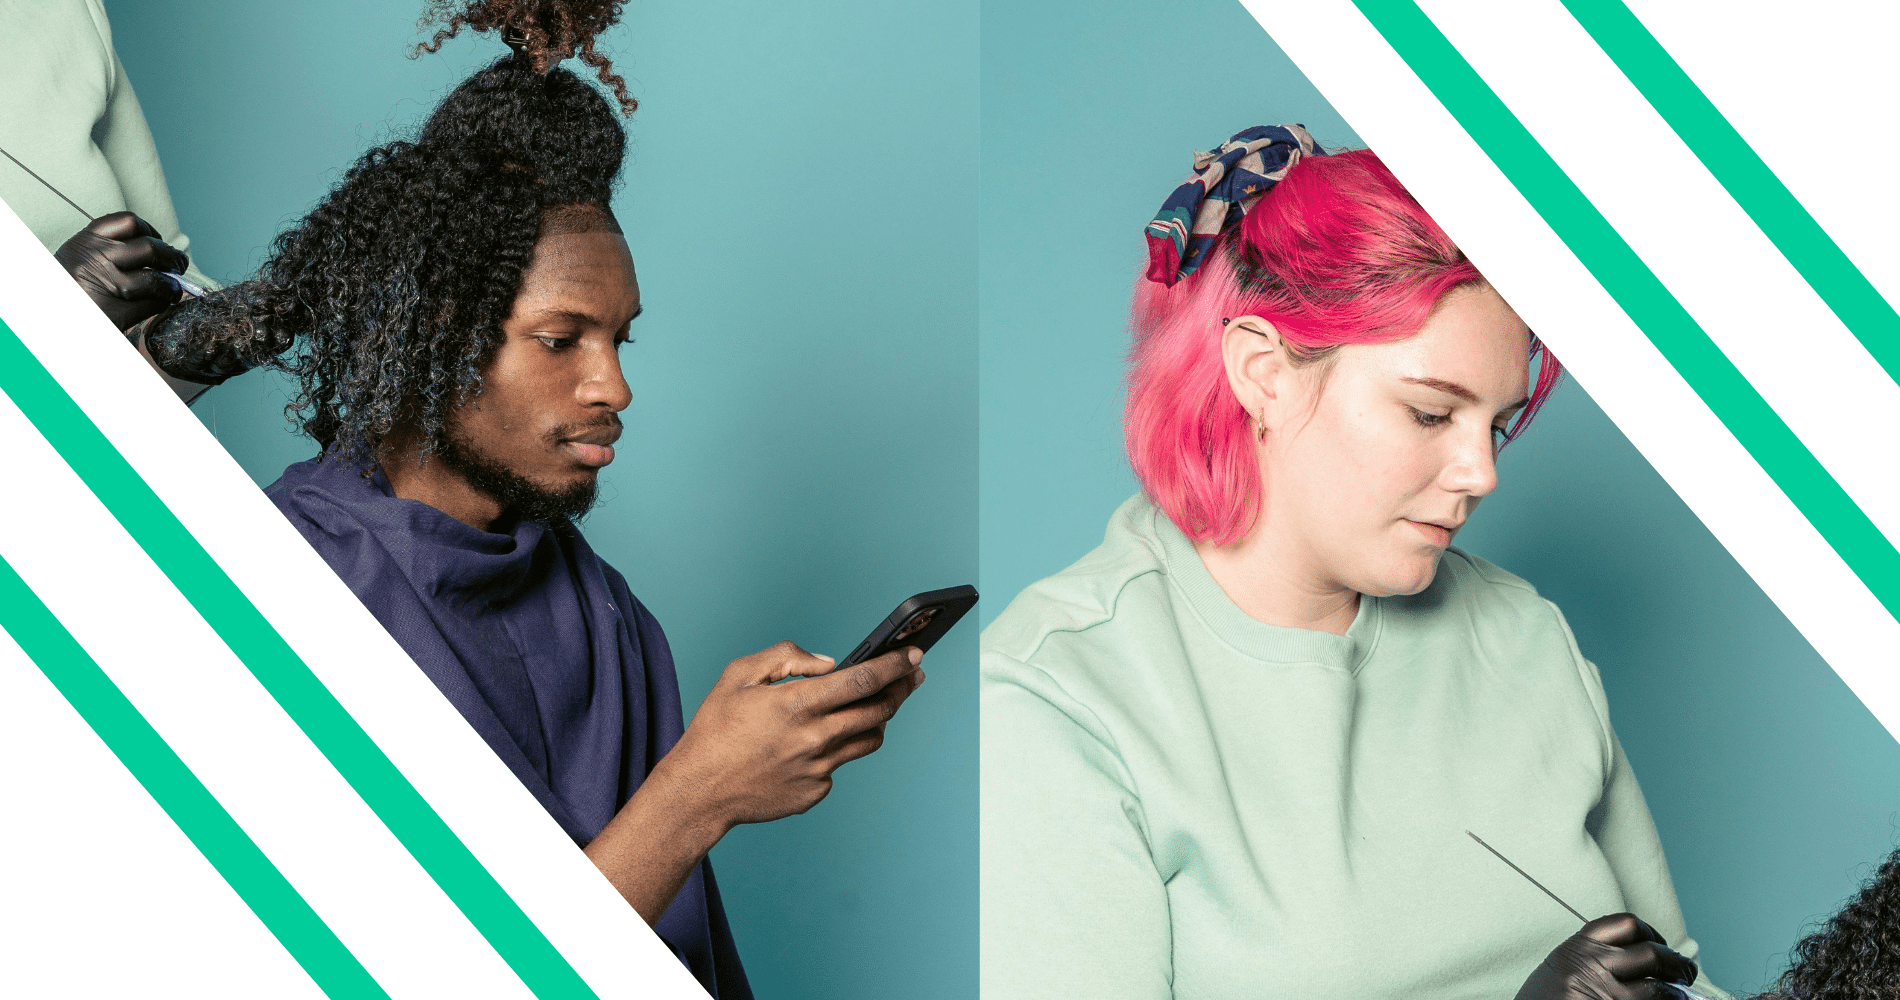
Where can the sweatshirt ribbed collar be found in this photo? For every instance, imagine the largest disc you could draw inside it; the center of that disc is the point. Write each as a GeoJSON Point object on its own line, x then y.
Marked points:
{"type": "Point", "coordinates": [1245, 633]}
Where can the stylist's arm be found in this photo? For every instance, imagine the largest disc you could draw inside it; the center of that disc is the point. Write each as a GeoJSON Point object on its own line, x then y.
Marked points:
{"type": "Point", "coordinates": [1617, 957]}
{"type": "Point", "coordinates": [756, 751]}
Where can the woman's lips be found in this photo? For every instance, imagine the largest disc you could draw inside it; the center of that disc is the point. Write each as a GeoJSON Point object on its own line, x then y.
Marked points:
{"type": "Point", "coordinates": [1437, 535]}
{"type": "Point", "coordinates": [595, 455]}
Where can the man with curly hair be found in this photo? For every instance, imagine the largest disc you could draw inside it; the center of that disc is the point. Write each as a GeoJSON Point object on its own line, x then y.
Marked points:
{"type": "Point", "coordinates": [453, 311]}
{"type": "Point", "coordinates": [1856, 955]}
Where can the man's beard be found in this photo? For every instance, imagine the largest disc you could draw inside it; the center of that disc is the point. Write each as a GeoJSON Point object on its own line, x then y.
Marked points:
{"type": "Point", "coordinates": [517, 496]}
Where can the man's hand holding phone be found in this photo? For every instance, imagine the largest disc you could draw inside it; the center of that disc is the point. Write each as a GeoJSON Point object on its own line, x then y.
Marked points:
{"type": "Point", "coordinates": [759, 750]}
{"type": "Point", "coordinates": [755, 751]}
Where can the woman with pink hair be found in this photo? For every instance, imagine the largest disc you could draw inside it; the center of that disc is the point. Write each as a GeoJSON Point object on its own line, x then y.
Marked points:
{"type": "Point", "coordinates": [1235, 750]}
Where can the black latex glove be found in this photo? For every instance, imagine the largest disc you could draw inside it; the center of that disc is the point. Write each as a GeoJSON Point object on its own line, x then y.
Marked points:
{"type": "Point", "coordinates": [117, 259]}
{"type": "Point", "coordinates": [1617, 957]}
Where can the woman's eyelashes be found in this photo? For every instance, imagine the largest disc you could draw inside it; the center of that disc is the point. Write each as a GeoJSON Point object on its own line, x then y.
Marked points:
{"type": "Point", "coordinates": [1500, 432]}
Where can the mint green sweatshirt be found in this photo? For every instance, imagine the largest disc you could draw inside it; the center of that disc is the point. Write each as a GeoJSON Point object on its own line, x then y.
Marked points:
{"type": "Point", "coordinates": [71, 116]}
{"type": "Point", "coordinates": [1179, 800]}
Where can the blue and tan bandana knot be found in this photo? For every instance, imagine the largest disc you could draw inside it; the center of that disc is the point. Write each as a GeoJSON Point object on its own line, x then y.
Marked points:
{"type": "Point", "coordinates": [1224, 185]}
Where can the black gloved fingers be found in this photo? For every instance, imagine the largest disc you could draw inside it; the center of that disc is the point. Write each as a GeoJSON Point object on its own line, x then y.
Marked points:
{"type": "Point", "coordinates": [148, 287]}
{"type": "Point", "coordinates": [1649, 960]}
{"type": "Point", "coordinates": [1641, 952]}
{"type": "Point", "coordinates": [120, 226]}
{"type": "Point", "coordinates": [1620, 929]}
{"type": "Point", "coordinates": [115, 274]}
{"type": "Point", "coordinates": [146, 251]}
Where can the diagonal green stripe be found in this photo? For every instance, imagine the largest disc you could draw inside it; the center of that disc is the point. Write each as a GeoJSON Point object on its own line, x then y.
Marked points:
{"type": "Point", "coordinates": [179, 792]}
{"type": "Point", "coordinates": [278, 668]}
{"type": "Point", "coordinates": [1739, 169]}
{"type": "Point", "coordinates": [1641, 295]}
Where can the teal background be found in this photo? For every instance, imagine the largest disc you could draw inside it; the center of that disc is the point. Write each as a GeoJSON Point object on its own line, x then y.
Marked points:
{"type": "Point", "coordinates": [800, 198]}
{"type": "Point", "coordinates": [1774, 788]}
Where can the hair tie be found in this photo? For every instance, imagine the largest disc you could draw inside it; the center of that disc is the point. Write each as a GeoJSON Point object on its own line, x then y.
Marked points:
{"type": "Point", "coordinates": [1224, 185]}
{"type": "Point", "coordinates": [517, 39]}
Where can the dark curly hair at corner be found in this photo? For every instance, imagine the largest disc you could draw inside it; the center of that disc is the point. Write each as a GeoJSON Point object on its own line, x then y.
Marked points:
{"type": "Point", "coordinates": [554, 29]}
{"type": "Point", "coordinates": [395, 286]}
{"type": "Point", "coordinates": [1857, 955]}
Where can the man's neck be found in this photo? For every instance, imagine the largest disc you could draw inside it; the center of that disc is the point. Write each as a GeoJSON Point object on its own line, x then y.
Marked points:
{"type": "Point", "coordinates": [431, 481]}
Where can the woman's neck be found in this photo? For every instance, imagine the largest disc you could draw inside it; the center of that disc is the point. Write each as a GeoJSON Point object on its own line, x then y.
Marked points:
{"type": "Point", "coordinates": [1270, 581]}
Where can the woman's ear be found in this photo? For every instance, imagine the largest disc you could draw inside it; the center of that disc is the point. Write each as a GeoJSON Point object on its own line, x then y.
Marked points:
{"type": "Point", "coordinates": [1257, 367]}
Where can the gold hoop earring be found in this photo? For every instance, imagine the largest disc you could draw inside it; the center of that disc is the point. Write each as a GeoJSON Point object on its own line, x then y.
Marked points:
{"type": "Point", "coordinates": [1260, 425]}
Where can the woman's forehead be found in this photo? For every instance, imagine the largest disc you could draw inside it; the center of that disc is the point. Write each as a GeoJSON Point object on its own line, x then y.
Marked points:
{"type": "Point", "coordinates": [1474, 342]}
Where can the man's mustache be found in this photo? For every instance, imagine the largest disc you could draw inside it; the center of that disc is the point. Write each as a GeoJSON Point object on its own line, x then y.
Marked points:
{"type": "Point", "coordinates": [568, 432]}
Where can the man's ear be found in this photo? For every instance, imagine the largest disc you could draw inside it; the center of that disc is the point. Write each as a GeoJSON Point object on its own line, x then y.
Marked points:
{"type": "Point", "coordinates": [1257, 368]}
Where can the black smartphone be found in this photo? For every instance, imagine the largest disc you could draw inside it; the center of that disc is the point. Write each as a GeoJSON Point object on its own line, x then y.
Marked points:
{"type": "Point", "coordinates": [919, 622]}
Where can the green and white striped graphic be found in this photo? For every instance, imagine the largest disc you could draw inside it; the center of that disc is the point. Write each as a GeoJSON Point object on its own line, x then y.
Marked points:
{"type": "Point", "coordinates": [227, 779]}
{"type": "Point", "coordinates": [1667, 200]}
{"type": "Point", "coordinates": [226, 749]}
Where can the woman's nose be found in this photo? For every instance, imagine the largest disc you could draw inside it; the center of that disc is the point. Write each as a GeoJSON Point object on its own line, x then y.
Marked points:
{"type": "Point", "coordinates": [1474, 467]}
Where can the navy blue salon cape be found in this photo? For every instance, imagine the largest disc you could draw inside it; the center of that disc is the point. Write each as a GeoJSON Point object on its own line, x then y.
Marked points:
{"type": "Point", "coordinates": [540, 646]}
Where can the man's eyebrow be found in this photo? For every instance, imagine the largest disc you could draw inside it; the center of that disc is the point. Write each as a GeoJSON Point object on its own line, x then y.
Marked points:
{"type": "Point", "coordinates": [576, 316]}
{"type": "Point", "coordinates": [1461, 392]}
{"type": "Point", "coordinates": [567, 314]}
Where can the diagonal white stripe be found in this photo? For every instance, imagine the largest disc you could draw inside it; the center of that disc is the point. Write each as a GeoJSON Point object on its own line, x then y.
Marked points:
{"type": "Point", "coordinates": [1691, 233]}
{"type": "Point", "coordinates": [1346, 58]}
{"type": "Point", "coordinates": [1811, 88]}
{"type": "Point", "coordinates": [233, 736]}
{"type": "Point", "coordinates": [106, 896]}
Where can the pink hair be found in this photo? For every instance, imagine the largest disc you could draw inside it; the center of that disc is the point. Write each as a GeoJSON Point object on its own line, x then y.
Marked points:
{"type": "Point", "coordinates": [1337, 253]}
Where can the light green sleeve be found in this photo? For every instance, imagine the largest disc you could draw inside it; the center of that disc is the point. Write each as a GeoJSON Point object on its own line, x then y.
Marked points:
{"type": "Point", "coordinates": [1071, 903]}
{"type": "Point", "coordinates": [1626, 834]}
{"type": "Point", "coordinates": [125, 139]}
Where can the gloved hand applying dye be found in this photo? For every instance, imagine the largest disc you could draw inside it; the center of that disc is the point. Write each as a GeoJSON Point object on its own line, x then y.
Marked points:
{"type": "Point", "coordinates": [1617, 957]}
{"type": "Point", "coordinates": [119, 261]}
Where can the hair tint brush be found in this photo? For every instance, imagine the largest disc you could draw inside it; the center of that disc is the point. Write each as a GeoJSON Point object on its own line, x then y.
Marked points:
{"type": "Point", "coordinates": [1683, 991]}
{"type": "Point", "coordinates": [185, 288]}
{"type": "Point", "coordinates": [49, 184]}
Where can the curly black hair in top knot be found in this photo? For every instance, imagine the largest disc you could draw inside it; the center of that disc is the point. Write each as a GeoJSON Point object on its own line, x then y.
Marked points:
{"type": "Point", "coordinates": [511, 120]}
{"type": "Point", "coordinates": [549, 31]}
{"type": "Point", "coordinates": [393, 289]}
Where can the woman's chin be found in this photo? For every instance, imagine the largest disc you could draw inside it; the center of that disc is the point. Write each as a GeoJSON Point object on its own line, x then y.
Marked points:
{"type": "Point", "coordinates": [1406, 578]}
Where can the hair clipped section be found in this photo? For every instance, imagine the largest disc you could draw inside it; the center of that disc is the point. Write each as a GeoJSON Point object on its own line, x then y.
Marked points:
{"type": "Point", "coordinates": [1337, 253]}
{"type": "Point", "coordinates": [554, 29]}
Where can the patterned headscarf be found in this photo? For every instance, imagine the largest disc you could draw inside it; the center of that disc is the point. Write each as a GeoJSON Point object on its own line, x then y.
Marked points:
{"type": "Point", "coordinates": [1224, 185]}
